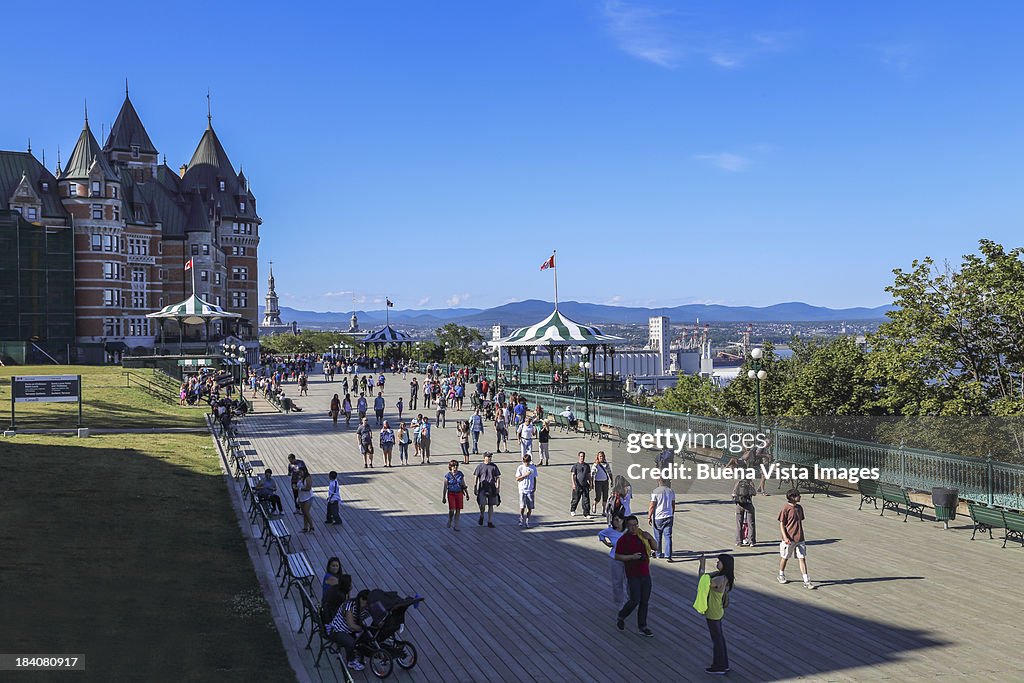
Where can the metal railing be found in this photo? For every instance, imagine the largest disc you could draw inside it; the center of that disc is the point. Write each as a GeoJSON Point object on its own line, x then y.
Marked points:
{"type": "Point", "coordinates": [983, 480]}
{"type": "Point", "coordinates": [150, 387]}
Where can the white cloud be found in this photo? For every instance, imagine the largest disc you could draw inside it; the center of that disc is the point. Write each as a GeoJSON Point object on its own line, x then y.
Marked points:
{"type": "Point", "coordinates": [423, 302]}
{"type": "Point", "coordinates": [726, 161]}
{"type": "Point", "coordinates": [614, 301]}
{"type": "Point", "coordinates": [457, 300]}
{"type": "Point", "coordinates": [664, 36]}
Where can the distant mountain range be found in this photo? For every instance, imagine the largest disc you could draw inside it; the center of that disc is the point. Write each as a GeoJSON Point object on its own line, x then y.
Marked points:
{"type": "Point", "coordinates": [533, 310]}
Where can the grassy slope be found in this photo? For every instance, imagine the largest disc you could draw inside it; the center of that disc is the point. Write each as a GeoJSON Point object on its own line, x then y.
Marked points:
{"type": "Point", "coordinates": [125, 548]}
{"type": "Point", "coordinates": [106, 401]}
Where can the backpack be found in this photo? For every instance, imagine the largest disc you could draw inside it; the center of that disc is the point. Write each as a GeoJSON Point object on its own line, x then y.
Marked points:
{"type": "Point", "coordinates": [615, 508]}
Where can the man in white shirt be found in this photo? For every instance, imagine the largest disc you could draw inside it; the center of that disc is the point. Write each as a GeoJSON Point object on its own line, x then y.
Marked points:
{"type": "Point", "coordinates": [661, 514]}
{"type": "Point", "coordinates": [526, 477]}
{"type": "Point", "coordinates": [525, 432]}
{"type": "Point", "coordinates": [333, 499]}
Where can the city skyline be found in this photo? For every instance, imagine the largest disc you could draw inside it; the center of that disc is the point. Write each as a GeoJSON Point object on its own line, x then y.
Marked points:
{"type": "Point", "coordinates": [671, 153]}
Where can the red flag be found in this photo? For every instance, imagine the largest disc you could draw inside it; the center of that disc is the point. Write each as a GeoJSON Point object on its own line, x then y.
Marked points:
{"type": "Point", "coordinates": [550, 263]}
{"type": "Point", "coordinates": [188, 265]}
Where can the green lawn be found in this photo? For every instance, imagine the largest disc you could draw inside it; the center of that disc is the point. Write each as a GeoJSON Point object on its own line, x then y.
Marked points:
{"type": "Point", "coordinates": [125, 548]}
{"type": "Point", "coordinates": [106, 401]}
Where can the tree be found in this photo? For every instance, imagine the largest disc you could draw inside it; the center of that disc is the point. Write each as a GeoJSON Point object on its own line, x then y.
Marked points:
{"type": "Point", "coordinates": [741, 393]}
{"type": "Point", "coordinates": [693, 394]}
{"type": "Point", "coordinates": [459, 344]}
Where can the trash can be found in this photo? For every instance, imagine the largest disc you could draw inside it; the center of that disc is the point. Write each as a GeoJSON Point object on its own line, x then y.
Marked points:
{"type": "Point", "coordinates": [286, 404]}
{"type": "Point", "coordinates": [945, 502]}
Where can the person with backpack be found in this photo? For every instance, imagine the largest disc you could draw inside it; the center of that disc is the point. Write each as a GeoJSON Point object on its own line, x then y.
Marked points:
{"type": "Point", "coordinates": [442, 406]}
{"type": "Point", "coordinates": [714, 588]}
{"type": "Point", "coordinates": [365, 435]}
{"type": "Point", "coordinates": [624, 490]}
{"type": "Point", "coordinates": [487, 487]}
{"type": "Point", "coordinates": [743, 495]}
{"type": "Point", "coordinates": [333, 499]}
{"type": "Point", "coordinates": [378, 408]}
{"type": "Point", "coordinates": [454, 493]}
{"type": "Point", "coordinates": [500, 430]}
{"type": "Point", "coordinates": [544, 439]}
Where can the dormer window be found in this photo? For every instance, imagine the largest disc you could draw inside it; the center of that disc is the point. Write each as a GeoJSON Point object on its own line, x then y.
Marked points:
{"type": "Point", "coordinates": [95, 188]}
{"type": "Point", "coordinates": [31, 213]}
{"type": "Point", "coordinates": [135, 151]}
{"type": "Point", "coordinates": [113, 191]}
{"type": "Point", "coordinates": [220, 184]}
{"type": "Point", "coordinates": [241, 206]}
{"type": "Point", "coordinates": [46, 186]}
{"type": "Point", "coordinates": [73, 190]}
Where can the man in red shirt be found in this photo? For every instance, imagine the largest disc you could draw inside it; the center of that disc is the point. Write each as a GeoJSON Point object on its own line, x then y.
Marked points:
{"type": "Point", "coordinates": [635, 548]}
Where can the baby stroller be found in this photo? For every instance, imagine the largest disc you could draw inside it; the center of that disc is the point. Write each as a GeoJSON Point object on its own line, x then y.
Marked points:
{"type": "Point", "coordinates": [380, 643]}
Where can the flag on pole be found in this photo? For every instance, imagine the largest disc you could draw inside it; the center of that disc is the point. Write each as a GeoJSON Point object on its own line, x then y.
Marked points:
{"type": "Point", "coordinates": [391, 304]}
{"type": "Point", "coordinates": [550, 263]}
{"type": "Point", "coordinates": [188, 264]}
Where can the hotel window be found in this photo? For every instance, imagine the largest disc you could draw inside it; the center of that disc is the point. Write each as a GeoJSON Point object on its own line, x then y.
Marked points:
{"type": "Point", "coordinates": [221, 184]}
{"type": "Point", "coordinates": [204, 276]}
{"type": "Point", "coordinates": [135, 151]}
{"type": "Point", "coordinates": [72, 189]}
{"type": "Point", "coordinates": [161, 304]}
{"type": "Point", "coordinates": [239, 273]}
{"type": "Point", "coordinates": [216, 278]}
{"type": "Point", "coordinates": [138, 246]}
{"type": "Point", "coordinates": [30, 213]}
{"type": "Point", "coordinates": [160, 247]}
{"type": "Point", "coordinates": [241, 206]}
{"type": "Point", "coordinates": [195, 250]}
{"type": "Point", "coordinates": [109, 271]}
{"type": "Point", "coordinates": [239, 299]}
{"type": "Point", "coordinates": [113, 191]}
{"type": "Point", "coordinates": [111, 297]}
{"type": "Point", "coordinates": [112, 327]}
{"type": "Point", "coordinates": [138, 274]}
{"type": "Point", "coordinates": [117, 213]}
{"type": "Point", "coordinates": [96, 243]}
{"type": "Point", "coordinates": [138, 299]}
{"type": "Point", "coordinates": [46, 186]}
{"type": "Point", "coordinates": [162, 274]}
{"type": "Point", "coordinates": [217, 302]}
{"type": "Point", "coordinates": [95, 188]}
{"type": "Point", "coordinates": [97, 211]}
{"type": "Point", "coordinates": [206, 250]}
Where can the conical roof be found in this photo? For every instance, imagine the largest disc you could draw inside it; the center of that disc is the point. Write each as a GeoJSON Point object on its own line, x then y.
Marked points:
{"type": "Point", "coordinates": [128, 131]}
{"type": "Point", "coordinates": [210, 155]}
{"type": "Point", "coordinates": [198, 219]}
{"type": "Point", "coordinates": [558, 330]}
{"type": "Point", "coordinates": [87, 151]}
{"type": "Point", "coordinates": [193, 311]}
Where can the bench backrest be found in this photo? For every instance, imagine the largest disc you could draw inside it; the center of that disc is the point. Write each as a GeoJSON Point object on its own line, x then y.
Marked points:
{"type": "Point", "coordinates": [892, 491]}
{"type": "Point", "coordinates": [988, 516]}
{"type": "Point", "coordinates": [1014, 520]}
{"type": "Point", "coordinates": [868, 487]}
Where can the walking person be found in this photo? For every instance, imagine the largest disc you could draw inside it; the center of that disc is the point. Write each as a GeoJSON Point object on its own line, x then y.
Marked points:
{"type": "Point", "coordinates": [414, 392]}
{"type": "Point", "coordinates": [717, 600]}
{"type": "Point", "coordinates": [487, 489]}
{"type": "Point", "coordinates": [442, 406]}
{"type": "Point", "coordinates": [544, 438]}
{"type": "Point", "coordinates": [463, 429]}
{"type": "Point", "coordinates": [378, 408]}
{"type": "Point", "coordinates": [387, 443]}
{"type": "Point", "coordinates": [579, 474]}
{"type": "Point", "coordinates": [525, 432]}
{"type": "Point", "coordinates": [403, 444]}
{"type": "Point", "coordinates": [335, 410]}
{"type": "Point", "coordinates": [763, 459]}
{"type": "Point", "coordinates": [454, 493]}
{"type": "Point", "coordinates": [610, 535]}
{"type": "Point", "coordinates": [660, 516]}
{"type": "Point", "coordinates": [365, 435]}
{"type": "Point", "coordinates": [624, 490]}
{"type": "Point", "coordinates": [361, 407]}
{"type": "Point", "coordinates": [425, 440]}
{"type": "Point", "coordinates": [294, 465]}
{"type": "Point", "coordinates": [476, 428]}
{"type": "Point", "coordinates": [306, 498]}
{"type": "Point", "coordinates": [634, 549]}
{"type": "Point", "coordinates": [791, 525]}
{"type": "Point", "coordinates": [526, 476]}
{"type": "Point", "coordinates": [399, 406]}
{"type": "Point", "coordinates": [346, 408]}
{"type": "Point", "coordinates": [500, 430]}
{"type": "Point", "coordinates": [601, 477]}
{"type": "Point", "coordinates": [743, 495]}
{"type": "Point", "coordinates": [333, 499]}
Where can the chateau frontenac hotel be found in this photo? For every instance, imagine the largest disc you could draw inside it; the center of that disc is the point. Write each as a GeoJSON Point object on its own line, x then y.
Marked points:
{"type": "Point", "coordinates": [88, 250]}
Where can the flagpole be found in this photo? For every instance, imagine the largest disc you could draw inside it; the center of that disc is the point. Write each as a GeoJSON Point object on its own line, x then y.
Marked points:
{"type": "Point", "coordinates": [193, 269]}
{"type": "Point", "coordinates": [555, 269]}
{"type": "Point", "coordinates": [387, 311]}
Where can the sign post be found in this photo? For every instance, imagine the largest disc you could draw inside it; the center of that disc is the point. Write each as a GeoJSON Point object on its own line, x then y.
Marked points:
{"type": "Point", "coordinates": [46, 389]}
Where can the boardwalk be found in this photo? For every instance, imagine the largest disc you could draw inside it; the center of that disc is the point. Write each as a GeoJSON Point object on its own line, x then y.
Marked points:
{"type": "Point", "coordinates": [896, 600]}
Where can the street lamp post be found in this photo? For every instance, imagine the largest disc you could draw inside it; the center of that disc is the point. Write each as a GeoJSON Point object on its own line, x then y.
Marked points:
{"type": "Point", "coordinates": [757, 373]}
{"type": "Point", "coordinates": [585, 368]}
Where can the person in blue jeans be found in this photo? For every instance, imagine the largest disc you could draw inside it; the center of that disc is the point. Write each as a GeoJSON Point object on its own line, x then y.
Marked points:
{"type": "Point", "coordinates": [660, 516]}
{"type": "Point", "coordinates": [476, 428]}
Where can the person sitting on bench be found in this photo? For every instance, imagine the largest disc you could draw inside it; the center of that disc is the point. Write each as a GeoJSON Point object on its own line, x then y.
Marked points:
{"type": "Point", "coordinates": [266, 490]}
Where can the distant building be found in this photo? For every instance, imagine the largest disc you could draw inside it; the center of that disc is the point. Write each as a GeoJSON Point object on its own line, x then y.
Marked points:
{"type": "Point", "coordinates": [353, 323]}
{"type": "Point", "coordinates": [659, 339]}
{"type": "Point", "coordinates": [500, 331]}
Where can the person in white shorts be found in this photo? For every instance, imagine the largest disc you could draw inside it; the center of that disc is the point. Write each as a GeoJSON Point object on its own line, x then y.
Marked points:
{"type": "Point", "coordinates": [791, 525]}
{"type": "Point", "coordinates": [526, 476]}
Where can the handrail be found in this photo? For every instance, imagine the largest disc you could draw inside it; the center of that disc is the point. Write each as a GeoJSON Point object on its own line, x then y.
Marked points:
{"type": "Point", "coordinates": [153, 389]}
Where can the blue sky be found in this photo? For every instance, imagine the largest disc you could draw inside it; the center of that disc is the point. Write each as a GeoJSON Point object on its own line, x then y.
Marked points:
{"type": "Point", "coordinates": [672, 152]}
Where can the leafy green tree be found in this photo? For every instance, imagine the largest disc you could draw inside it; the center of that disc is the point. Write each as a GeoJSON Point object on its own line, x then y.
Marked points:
{"type": "Point", "coordinates": [460, 344]}
{"type": "Point", "coordinates": [693, 394]}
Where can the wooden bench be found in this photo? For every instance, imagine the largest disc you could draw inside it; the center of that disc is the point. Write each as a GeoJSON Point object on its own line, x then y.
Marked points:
{"type": "Point", "coordinates": [276, 531]}
{"type": "Point", "coordinates": [869, 492]}
{"type": "Point", "coordinates": [814, 486]}
{"type": "Point", "coordinates": [1014, 527]}
{"type": "Point", "coordinates": [893, 497]}
{"type": "Point", "coordinates": [295, 567]}
{"type": "Point", "coordinates": [612, 433]}
{"type": "Point", "coordinates": [317, 627]}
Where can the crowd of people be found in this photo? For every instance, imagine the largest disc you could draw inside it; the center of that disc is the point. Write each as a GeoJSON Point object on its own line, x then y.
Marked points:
{"type": "Point", "coordinates": [593, 487]}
